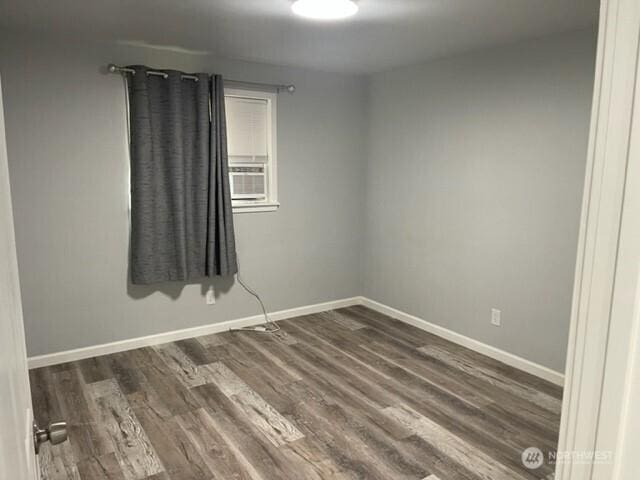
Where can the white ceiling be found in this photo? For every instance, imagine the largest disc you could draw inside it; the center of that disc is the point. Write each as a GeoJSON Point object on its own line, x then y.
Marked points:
{"type": "Point", "coordinates": [383, 35]}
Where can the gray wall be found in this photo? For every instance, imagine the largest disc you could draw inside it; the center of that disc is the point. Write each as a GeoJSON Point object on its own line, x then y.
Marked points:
{"type": "Point", "coordinates": [68, 163]}
{"type": "Point", "coordinates": [474, 185]}
{"type": "Point", "coordinates": [442, 190]}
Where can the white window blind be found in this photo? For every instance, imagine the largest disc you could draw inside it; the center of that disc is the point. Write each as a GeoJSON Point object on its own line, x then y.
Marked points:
{"type": "Point", "coordinates": [251, 142]}
{"type": "Point", "coordinates": [247, 120]}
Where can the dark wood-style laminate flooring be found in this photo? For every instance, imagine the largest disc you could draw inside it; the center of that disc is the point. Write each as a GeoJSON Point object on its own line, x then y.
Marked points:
{"type": "Point", "coordinates": [345, 394]}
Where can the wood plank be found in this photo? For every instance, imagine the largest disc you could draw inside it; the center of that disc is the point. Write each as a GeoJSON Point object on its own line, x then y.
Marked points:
{"type": "Point", "coordinates": [514, 409]}
{"type": "Point", "coordinates": [196, 352]}
{"type": "Point", "coordinates": [189, 374]}
{"type": "Point", "coordinates": [354, 349]}
{"type": "Point", "coordinates": [352, 457]}
{"type": "Point", "coordinates": [465, 454]}
{"type": "Point", "coordinates": [521, 415]}
{"type": "Point", "coordinates": [275, 427]}
{"type": "Point", "coordinates": [46, 406]}
{"type": "Point", "coordinates": [285, 338]}
{"type": "Point", "coordinates": [168, 389]}
{"type": "Point", "coordinates": [394, 454]}
{"type": "Point", "coordinates": [213, 340]}
{"type": "Point", "coordinates": [267, 419]}
{"type": "Point", "coordinates": [365, 438]}
{"type": "Point", "coordinates": [268, 461]}
{"type": "Point", "coordinates": [417, 361]}
{"type": "Point", "coordinates": [135, 454]}
{"type": "Point", "coordinates": [103, 467]}
{"type": "Point", "coordinates": [495, 378]}
{"type": "Point", "coordinates": [319, 387]}
{"type": "Point", "coordinates": [218, 353]}
{"type": "Point", "coordinates": [125, 372]}
{"type": "Point", "coordinates": [159, 476]}
{"type": "Point", "coordinates": [279, 371]}
{"type": "Point", "coordinates": [56, 462]}
{"type": "Point", "coordinates": [87, 438]}
{"type": "Point", "coordinates": [419, 449]}
{"type": "Point", "coordinates": [291, 374]}
{"type": "Point", "coordinates": [55, 466]}
{"type": "Point", "coordinates": [397, 328]}
{"type": "Point", "coordinates": [341, 319]}
{"type": "Point", "coordinates": [389, 326]}
{"type": "Point", "coordinates": [180, 457]}
{"type": "Point", "coordinates": [223, 460]}
{"type": "Point", "coordinates": [261, 375]}
{"type": "Point", "coordinates": [94, 369]}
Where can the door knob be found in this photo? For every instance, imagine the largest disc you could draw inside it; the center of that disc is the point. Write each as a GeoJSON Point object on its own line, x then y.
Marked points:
{"type": "Point", "coordinates": [56, 433]}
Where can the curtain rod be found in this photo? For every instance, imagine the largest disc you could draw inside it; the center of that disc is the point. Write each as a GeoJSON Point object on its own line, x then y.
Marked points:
{"type": "Point", "coordinates": [113, 68]}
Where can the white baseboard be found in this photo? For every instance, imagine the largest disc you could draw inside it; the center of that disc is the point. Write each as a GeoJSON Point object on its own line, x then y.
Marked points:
{"type": "Point", "coordinates": [157, 339]}
{"type": "Point", "coordinates": [505, 357]}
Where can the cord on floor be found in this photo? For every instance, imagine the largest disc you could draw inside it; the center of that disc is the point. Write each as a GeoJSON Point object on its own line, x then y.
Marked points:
{"type": "Point", "coordinates": [270, 326]}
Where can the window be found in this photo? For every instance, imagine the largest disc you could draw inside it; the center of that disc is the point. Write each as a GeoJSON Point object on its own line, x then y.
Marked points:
{"type": "Point", "coordinates": [251, 143]}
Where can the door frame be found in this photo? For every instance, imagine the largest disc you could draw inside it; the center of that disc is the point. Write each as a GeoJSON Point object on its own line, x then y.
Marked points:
{"type": "Point", "coordinates": [604, 320]}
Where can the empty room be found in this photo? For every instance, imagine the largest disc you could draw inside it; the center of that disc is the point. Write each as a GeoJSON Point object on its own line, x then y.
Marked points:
{"type": "Point", "coordinates": [319, 239]}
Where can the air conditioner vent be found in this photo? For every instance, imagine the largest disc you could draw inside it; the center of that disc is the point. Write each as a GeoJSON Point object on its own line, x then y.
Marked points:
{"type": "Point", "coordinates": [248, 182]}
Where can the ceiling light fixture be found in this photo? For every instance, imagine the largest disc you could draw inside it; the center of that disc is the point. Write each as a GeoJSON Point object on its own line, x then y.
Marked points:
{"type": "Point", "coordinates": [325, 9]}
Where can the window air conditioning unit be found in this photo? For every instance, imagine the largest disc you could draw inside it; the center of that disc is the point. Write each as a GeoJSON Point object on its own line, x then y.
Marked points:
{"type": "Point", "coordinates": [248, 182]}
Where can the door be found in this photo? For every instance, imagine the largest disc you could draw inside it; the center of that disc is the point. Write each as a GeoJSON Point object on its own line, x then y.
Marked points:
{"type": "Point", "coordinates": [17, 456]}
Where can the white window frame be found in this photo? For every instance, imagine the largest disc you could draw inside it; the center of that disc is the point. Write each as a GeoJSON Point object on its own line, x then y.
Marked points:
{"type": "Point", "coordinates": [271, 204]}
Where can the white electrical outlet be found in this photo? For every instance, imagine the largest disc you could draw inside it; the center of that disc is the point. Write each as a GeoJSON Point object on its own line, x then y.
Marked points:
{"type": "Point", "coordinates": [495, 317]}
{"type": "Point", "coordinates": [211, 296]}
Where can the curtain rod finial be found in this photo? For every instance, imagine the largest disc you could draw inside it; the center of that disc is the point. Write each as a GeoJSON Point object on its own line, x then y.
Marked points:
{"type": "Point", "coordinates": [112, 68]}
{"type": "Point", "coordinates": [291, 88]}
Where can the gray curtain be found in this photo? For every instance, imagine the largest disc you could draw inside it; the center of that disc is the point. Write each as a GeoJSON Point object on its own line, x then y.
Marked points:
{"type": "Point", "coordinates": [181, 218]}
{"type": "Point", "coordinates": [221, 243]}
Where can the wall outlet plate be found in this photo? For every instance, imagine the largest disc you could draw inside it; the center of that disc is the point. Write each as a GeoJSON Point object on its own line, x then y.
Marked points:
{"type": "Point", "coordinates": [210, 297]}
{"type": "Point", "coordinates": [495, 317]}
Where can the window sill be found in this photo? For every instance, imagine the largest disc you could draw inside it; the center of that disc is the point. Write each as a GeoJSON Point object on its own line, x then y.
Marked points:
{"type": "Point", "coordinates": [256, 208]}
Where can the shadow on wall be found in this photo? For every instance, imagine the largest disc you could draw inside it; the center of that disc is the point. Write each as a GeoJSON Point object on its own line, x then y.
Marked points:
{"type": "Point", "coordinates": [173, 290]}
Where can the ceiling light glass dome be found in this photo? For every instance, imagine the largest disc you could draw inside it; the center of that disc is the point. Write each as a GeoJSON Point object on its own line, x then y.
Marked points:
{"type": "Point", "coordinates": [325, 9]}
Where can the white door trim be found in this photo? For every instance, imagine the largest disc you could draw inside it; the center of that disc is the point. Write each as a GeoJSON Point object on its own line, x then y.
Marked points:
{"type": "Point", "coordinates": [597, 280]}
{"type": "Point", "coordinates": [618, 421]}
